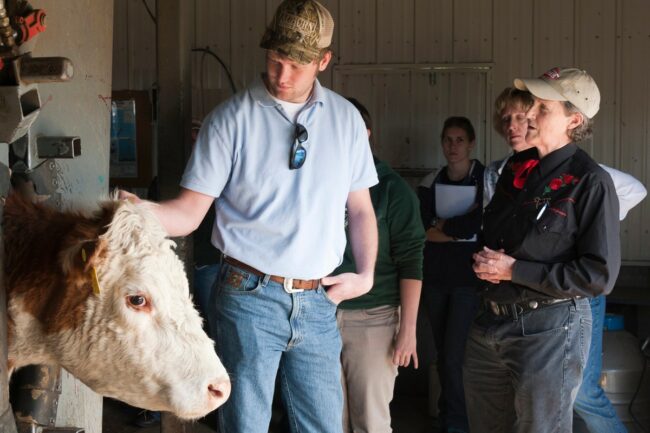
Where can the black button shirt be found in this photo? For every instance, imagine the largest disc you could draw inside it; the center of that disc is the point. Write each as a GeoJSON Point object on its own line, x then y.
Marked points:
{"type": "Point", "coordinates": [558, 217]}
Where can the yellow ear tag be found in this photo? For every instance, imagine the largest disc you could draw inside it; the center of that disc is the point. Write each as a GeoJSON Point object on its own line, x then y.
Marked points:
{"type": "Point", "coordinates": [93, 273]}
{"type": "Point", "coordinates": [95, 281]}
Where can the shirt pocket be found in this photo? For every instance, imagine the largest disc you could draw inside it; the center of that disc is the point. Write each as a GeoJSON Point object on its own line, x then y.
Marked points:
{"type": "Point", "coordinates": [551, 237]}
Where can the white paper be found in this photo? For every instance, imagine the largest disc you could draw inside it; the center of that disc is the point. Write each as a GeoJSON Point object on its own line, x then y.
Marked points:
{"type": "Point", "coordinates": [455, 200]}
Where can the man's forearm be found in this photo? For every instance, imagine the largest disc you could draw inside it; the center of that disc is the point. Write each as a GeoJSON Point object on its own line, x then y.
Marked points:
{"type": "Point", "coordinates": [363, 239]}
{"type": "Point", "coordinates": [410, 291]}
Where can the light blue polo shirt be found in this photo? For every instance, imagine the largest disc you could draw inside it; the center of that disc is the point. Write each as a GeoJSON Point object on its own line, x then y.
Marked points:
{"type": "Point", "coordinates": [281, 221]}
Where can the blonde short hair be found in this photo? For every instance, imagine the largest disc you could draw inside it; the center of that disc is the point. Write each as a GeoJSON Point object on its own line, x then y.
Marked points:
{"type": "Point", "coordinates": [508, 97]}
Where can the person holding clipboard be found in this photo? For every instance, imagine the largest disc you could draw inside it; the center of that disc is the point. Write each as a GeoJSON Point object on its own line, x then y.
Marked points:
{"type": "Point", "coordinates": [451, 209]}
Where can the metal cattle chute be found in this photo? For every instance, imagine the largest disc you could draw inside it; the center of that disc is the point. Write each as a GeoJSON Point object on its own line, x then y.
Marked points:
{"type": "Point", "coordinates": [35, 389]}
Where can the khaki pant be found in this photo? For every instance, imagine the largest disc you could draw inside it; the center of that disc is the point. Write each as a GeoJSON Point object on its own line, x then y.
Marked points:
{"type": "Point", "coordinates": [368, 373]}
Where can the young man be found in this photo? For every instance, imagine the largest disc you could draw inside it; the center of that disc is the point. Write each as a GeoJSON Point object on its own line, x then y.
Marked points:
{"type": "Point", "coordinates": [283, 159]}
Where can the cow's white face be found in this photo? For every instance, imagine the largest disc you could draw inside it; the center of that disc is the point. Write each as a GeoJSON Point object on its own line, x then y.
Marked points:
{"type": "Point", "coordinates": [140, 339]}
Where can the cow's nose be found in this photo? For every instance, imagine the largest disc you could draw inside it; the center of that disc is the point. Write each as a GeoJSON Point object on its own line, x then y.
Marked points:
{"type": "Point", "coordinates": [219, 391]}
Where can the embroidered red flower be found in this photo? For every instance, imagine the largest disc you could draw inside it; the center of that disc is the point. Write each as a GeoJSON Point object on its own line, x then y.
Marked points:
{"type": "Point", "coordinates": [555, 184]}
{"type": "Point", "coordinates": [560, 182]}
{"type": "Point", "coordinates": [521, 171]}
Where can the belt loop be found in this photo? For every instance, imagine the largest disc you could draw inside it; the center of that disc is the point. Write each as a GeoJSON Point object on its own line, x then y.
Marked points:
{"type": "Point", "coordinates": [265, 280]}
{"type": "Point", "coordinates": [515, 313]}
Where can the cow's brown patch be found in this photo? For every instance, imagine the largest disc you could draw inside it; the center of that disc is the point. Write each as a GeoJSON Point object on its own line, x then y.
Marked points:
{"type": "Point", "coordinates": [43, 260]}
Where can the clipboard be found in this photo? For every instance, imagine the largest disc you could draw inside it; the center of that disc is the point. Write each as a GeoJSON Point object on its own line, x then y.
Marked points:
{"type": "Point", "coordinates": [455, 200]}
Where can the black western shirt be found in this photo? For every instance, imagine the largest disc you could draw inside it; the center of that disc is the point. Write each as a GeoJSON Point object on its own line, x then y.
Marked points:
{"type": "Point", "coordinates": [558, 217]}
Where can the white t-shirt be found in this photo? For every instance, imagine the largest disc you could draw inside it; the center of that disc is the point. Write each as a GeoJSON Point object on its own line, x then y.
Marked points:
{"type": "Point", "coordinates": [292, 109]}
{"type": "Point", "coordinates": [629, 190]}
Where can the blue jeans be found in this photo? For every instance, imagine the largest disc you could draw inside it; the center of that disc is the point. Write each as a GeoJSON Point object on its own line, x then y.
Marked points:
{"type": "Point", "coordinates": [451, 313]}
{"type": "Point", "coordinates": [523, 375]}
{"type": "Point", "coordinates": [262, 331]}
{"type": "Point", "coordinates": [204, 278]}
{"type": "Point", "coordinates": [592, 404]}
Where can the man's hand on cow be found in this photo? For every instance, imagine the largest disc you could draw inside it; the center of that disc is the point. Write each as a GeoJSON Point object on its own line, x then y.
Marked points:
{"type": "Point", "coordinates": [493, 266]}
{"type": "Point", "coordinates": [405, 348]}
{"type": "Point", "coordinates": [347, 286]}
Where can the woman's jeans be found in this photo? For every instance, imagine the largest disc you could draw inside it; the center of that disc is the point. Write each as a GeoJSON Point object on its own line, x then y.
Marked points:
{"type": "Point", "coordinates": [592, 404]}
{"type": "Point", "coordinates": [263, 331]}
{"type": "Point", "coordinates": [451, 313]}
{"type": "Point", "coordinates": [522, 374]}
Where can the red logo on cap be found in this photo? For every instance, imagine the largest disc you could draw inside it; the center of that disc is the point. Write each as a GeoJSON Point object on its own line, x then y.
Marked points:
{"type": "Point", "coordinates": [552, 74]}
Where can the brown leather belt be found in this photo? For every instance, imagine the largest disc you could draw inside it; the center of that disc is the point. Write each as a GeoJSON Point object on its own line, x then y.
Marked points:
{"type": "Point", "coordinates": [296, 284]}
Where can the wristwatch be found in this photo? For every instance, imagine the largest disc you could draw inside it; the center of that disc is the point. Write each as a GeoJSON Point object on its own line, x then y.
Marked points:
{"type": "Point", "coordinates": [434, 222]}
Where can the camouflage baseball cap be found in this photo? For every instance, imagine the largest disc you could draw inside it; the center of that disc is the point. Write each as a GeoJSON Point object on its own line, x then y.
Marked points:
{"type": "Point", "coordinates": [300, 29]}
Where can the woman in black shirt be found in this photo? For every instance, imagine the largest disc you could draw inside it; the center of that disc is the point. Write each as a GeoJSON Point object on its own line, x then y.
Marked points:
{"type": "Point", "coordinates": [551, 240]}
{"type": "Point", "coordinates": [451, 207]}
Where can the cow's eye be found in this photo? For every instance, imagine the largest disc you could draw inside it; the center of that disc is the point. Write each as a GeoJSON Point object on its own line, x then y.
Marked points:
{"type": "Point", "coordinates": [137, 301]}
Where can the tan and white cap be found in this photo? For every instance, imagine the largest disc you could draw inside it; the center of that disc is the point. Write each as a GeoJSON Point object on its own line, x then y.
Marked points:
{"type": "Point", "coordinates": [567, 84]}
{"type": "Point", "coordinates": [300, 29]}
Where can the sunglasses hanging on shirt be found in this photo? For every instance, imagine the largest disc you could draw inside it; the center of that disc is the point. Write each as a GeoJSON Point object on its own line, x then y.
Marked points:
{"type": "Point", "coordinates": [298, 152]}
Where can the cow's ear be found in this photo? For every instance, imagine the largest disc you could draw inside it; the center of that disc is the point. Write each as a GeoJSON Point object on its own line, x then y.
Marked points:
{"type": "Point", "coordinates": [89, 254]}
{"type": "Point", "coordinates": [83, 261]}
{"type": "Point", "coordinates": [90, 262]}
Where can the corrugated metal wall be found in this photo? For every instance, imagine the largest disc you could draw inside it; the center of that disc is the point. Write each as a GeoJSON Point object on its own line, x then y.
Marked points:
{"type": "Point", "coordinates": [382, 51]}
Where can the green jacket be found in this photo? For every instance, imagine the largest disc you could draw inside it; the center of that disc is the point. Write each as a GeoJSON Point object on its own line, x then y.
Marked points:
{"type": "Point", "coordinates": [401, 240]}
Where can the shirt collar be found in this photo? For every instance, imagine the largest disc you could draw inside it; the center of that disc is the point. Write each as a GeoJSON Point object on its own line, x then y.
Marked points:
{"type": "Point", "coordinates": [551, 161]}
{"type": "Point", "coordinates": [262, 97]}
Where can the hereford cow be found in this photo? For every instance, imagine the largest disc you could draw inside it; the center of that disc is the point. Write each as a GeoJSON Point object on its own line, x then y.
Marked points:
{"type": "Point", "coordinates": [106, 297]}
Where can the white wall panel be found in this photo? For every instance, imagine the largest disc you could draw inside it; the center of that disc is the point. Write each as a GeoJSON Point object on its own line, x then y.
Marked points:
{"type": "Point", "coordinates": [635, 121]}
{"type": "Point", "coordinates": [430, 107]}
{"type": "Point", "coordinates": [212, 31]}
{"type": "Point", "coordinates": [472, 31]}
{"type": "Point", "coordinates": [120, 45]}
{"type": "Point", "coordinates": [248, 23]}
{"type": "Point", "coordinates": [409, 104]}
{"type": "Point", "coordinates": [142, 45]}
{"type": "Point", "coordinates": [210, 83]}
{"type": "Point", "coordinates": [553, 29]}
{"type": "Point", "coordinates": [393, 117]}
{"type": "Point", "coordinates": [513, 56]}
{"type": "Point", "coordinates": [595, 49]}
{"type": "Point", "coordinates": [434, 31]}
{"type": "Point", "coordinates": [358, 24]}
{"type": "Point", "coordinates": [395, 25]}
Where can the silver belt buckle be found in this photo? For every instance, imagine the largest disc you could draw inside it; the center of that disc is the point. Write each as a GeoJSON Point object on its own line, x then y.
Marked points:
{"type": "Point", "coordinates": [288, 286]}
